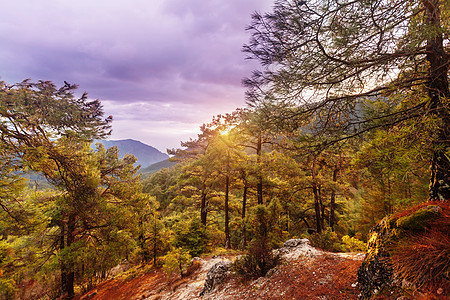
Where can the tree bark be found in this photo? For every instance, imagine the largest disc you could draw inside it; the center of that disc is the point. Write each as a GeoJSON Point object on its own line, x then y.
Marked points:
{"type": "Point", "coordinates": [244, 204]}
{"type": "Point", "coordinates": [316, 198]}
{"type": "Point", "coordinates": [203, 211]}
{"type": "Point", "coordinates": [155, 240]}
{"type": "Point", "coordinates": [227, 217]}
{"type": "Point", "coordinates": [259, 187]}
{"type": "Point", "coordinates": [67, 273]}
{"type": "Point", "coordinates": [332, 218]}
{"type": "Point", "coordinates": [438, 90]}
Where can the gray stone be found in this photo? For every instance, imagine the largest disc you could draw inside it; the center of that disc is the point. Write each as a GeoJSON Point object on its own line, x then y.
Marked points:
{"type": "Point", "coordinates": [295, 242]}
{"type": "Point", "coordinates": [216, 276]}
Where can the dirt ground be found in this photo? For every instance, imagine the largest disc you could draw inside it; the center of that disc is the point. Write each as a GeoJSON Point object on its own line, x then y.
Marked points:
{"type": "Point", "coordinates": [307, 273]}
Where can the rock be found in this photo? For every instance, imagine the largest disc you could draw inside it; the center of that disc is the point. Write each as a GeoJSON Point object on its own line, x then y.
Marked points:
{"type": "Point", "coordinates": [295, 242]}
{"type": "Point", "coordinates": [376, 273]}
{"type": "Point", "coordinates": [122, 267]}
{"type": "Point", "coordinates": [216, 276]}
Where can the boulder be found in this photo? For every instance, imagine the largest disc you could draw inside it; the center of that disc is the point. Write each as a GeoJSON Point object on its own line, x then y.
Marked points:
{"type": "Point", "coordinates": [216, 276]}
{"type": "Point", "coordinates": [295, 242]}
{"type": "Point", "coordinates": [376, 273]}
{"type": "Point", "coordinates": [122, 267]}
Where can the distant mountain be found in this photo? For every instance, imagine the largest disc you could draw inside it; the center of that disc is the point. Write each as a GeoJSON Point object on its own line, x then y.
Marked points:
{"type": "Point", "coordinates": [146, 155]}
{"type": "Point", "coordinates": [157, 166]}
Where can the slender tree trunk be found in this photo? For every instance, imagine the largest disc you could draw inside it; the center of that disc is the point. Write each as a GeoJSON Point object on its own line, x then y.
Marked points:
{"type": "Point", "coordinates": [438, 90]}
{"type": "Point", "coordinates": [67, 273]}
{"type": "Point", "coordinates": [244, 204]}
{"type": "Point", "coordinates": [203, 211]}
{"type": "Point", "coordinates": [227, 217]}
{"type": "Point", "coordinates": [141, 239]}
{"type": "Point", "coordinates": [322, 209]}
{"type": "Point", "coordinates": [316, 198]}
{"type": "Point", "coordinates": [227, 192]}
{"type": "Point", "coordinates": [155, 240]}
{"type": "Point", "coordinates": [306, 222]}
{"type": "Point", "coordinates": [62, 245]}
{"type": "Point", "coordinates": [259, 187]}
{"type": "Point", "coordinates": [332, 218]}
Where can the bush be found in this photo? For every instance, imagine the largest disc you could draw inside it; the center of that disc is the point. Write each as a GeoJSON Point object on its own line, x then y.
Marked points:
{"type": "Point", "coordinates": [176, 260]}
{"type": "Point", "coordinates": [353, 244]}
{"type": "Point", "coordinates": [327, 240]}
{"type": "Point", "coordinates": [260, 258]}
{"type": "Point", "coordinates": [257, 262]}
{"type": "Point", "coordinates": [7, 288]}
{"type": "Point", "coordinates": [193, 238]}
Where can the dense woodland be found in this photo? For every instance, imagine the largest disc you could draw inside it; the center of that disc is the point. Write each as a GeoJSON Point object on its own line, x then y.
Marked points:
{"type": "Point", "coordinates": [347, 122]}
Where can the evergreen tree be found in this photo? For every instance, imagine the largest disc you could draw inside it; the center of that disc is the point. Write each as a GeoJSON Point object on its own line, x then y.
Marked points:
{"type": "Point", "coordinates": [321, 59]}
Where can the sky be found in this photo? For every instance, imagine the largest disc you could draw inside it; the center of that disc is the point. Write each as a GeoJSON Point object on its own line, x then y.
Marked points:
{"type": "Point", "coordinates": [161, 68]}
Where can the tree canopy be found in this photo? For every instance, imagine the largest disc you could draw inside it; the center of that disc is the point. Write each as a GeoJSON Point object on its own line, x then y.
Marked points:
{"type": "Point", "coordinates": [322, 60]}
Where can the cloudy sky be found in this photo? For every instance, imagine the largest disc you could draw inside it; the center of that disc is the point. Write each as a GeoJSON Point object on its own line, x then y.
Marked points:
{"type": "Point", "coordinates": [160, 67]}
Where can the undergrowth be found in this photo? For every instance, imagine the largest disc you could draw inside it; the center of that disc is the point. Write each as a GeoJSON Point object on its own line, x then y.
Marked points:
{"type": "Point", "coordinates": [423, 258]}
{"type": "Point", "coordinates": [328, 240]}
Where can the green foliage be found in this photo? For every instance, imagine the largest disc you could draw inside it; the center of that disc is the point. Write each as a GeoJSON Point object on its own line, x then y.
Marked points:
{"type": "Point", "coordinates": [353, 244]}
{"type": "Point", "coordinates": [183, 207]}
{"type": "Point", "coordinates": [162, 185]}
{"type": "Point", "coordinates": [7, 283]}
{"type": "Point", "coordinates": [176, 261]}
{"type": "Point", "coordinates": [8, 288]}
{"type": "Point", "coordinates": [327, 240]}
{"type": "Point", "coordinates": [191, 235]}
{"type": "Point", "coordinates": [257, 262]}
{"type": "Point", "coordinates": [260, 257]}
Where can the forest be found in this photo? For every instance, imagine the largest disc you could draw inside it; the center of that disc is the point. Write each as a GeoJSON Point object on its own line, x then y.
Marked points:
{"type": "Point", "coordinates": [347, 122]}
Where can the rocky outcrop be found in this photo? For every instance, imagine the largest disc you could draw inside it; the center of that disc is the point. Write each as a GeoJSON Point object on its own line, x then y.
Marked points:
{"type": "Point", "coordinates": [296, 248]}
{"type": "Point", "coordinates": [295, 242]}
{"type": "Point", "coordinates": [216, 276]}
{"type": "Point", "coordinates": [377, 273]}
{"type": "Point", "coordinates": [120, 268]}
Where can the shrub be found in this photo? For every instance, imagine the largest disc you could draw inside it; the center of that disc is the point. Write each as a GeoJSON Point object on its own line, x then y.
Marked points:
{"type": "Point", "coordinates": [193, 238]}
{"type": "Point", "coordinates": [257, 262]}
{"type": "Point", "coordinates": [353, 244]}
{"type": "Point", "coordinates": [260, 258]}
{"type": "Point", "coordinates": [327, 240]}
{"type": "Point", "coordinates": [176, 260]}
{"type": "Point", "coordinates": [7, 288]}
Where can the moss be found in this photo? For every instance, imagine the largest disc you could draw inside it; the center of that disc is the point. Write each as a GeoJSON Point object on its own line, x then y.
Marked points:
{"type": "Point", "coordinates": [420, 219]}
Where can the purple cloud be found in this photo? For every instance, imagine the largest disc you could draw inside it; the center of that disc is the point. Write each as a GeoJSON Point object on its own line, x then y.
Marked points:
{"type": "Point", "coordinates": [160, 67]}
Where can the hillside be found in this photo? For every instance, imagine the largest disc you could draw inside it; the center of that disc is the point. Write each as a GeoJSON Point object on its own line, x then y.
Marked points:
{"type": "Point", "coordinates": [146, 155]}
{"type": "Point", "coordinates": [306, 273]}
{"type": "Point", "coordinates": [157, 166]}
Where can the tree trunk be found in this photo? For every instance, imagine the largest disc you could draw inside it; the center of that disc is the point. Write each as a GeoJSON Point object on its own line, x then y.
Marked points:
{"type": "Point", "coordinates": [227, 217]}
{"type": "Point", "coordinates": [306, 222]}
{"type": "Point", "coordinates": [438, 90]}
{"type": "Point", "coordinates": [155, 240]}
{"type": "Point", "coordinates": [332, 218]}
{"type": "Point", "coordinates": [322, 210]}
{"type": "Point", "coordinates": [66, 265]}
{"type": "Point", "coordinates": [141, 240]}
{"type": "Point", "coordinates": [259, 187]}
{"type": "Point", "coordinates": [203, 211]}
{"type": "Point", "coordinates": [244, 204]}
{"type": "Point", "coordinates": [316, 198]}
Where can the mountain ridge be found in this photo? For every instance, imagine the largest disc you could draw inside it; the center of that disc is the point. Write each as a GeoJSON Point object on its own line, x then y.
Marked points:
{"type": "Point", "coordinates": [146, 155]}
